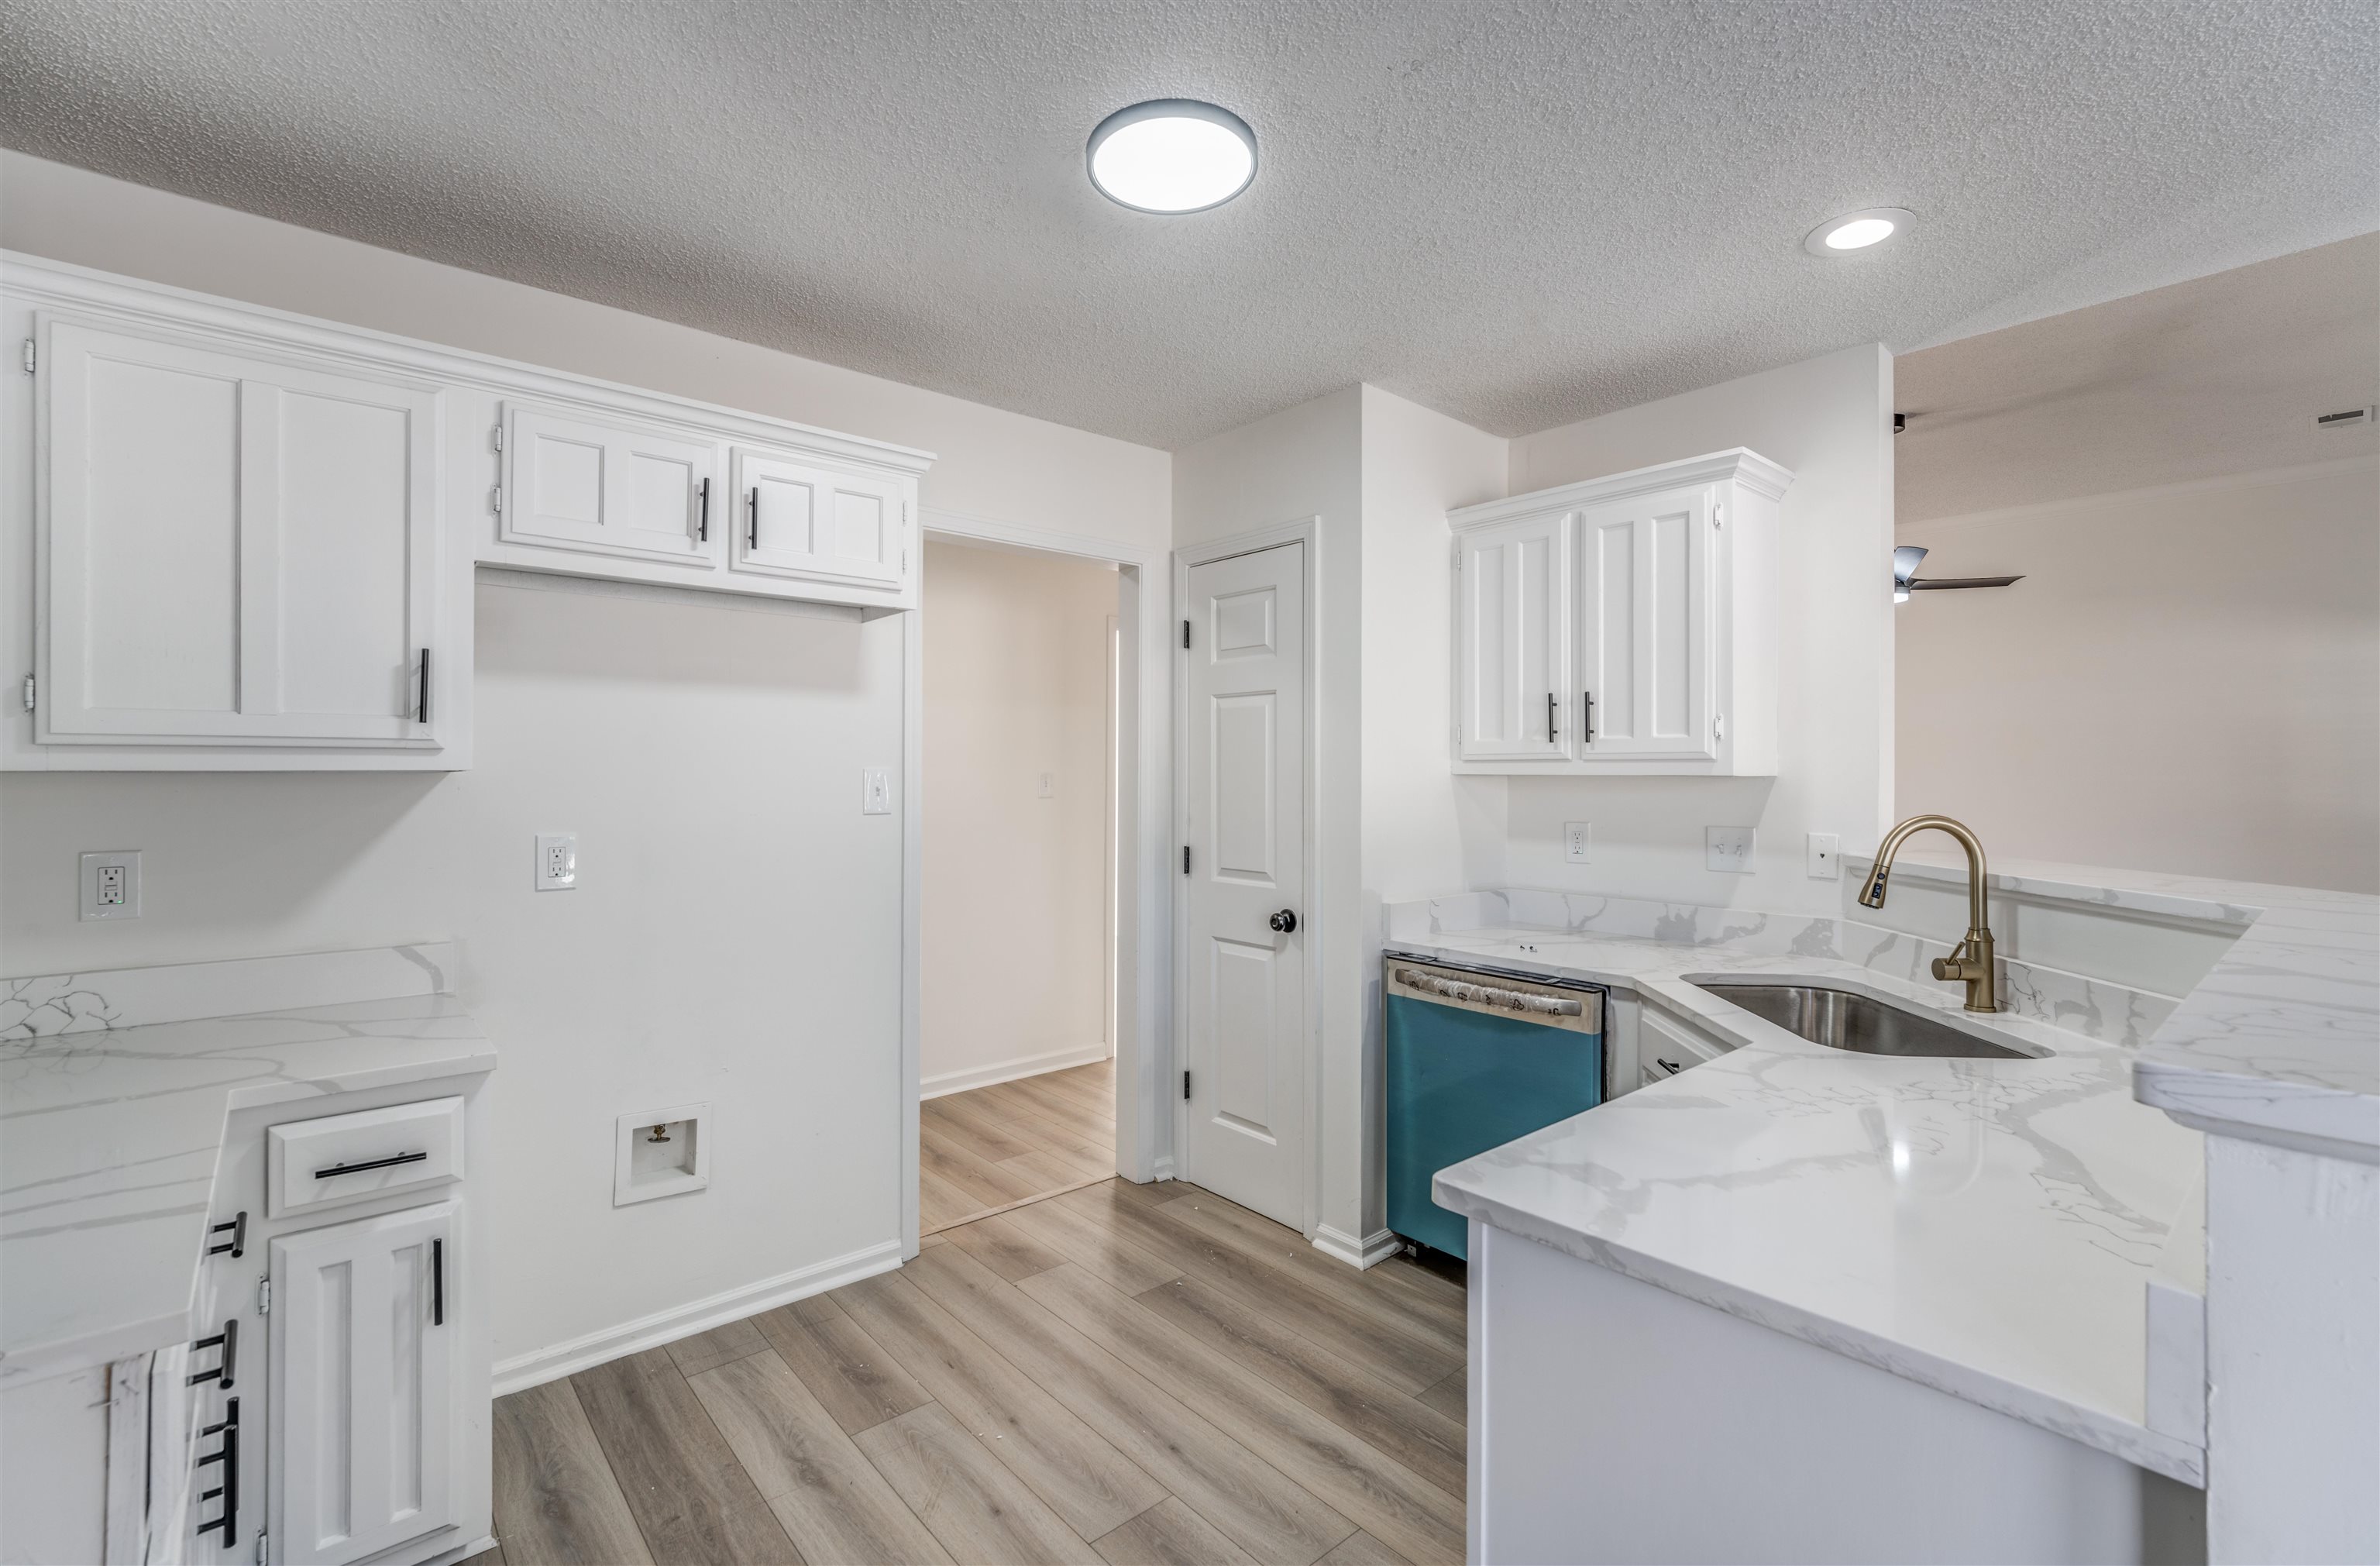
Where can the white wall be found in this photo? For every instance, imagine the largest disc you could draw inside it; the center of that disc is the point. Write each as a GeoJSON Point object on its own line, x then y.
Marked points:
{"type": "Point", "coordinates": [1015, 884]}
{"type": "Point", "coordinates": [2188, 678]}
{"type": "Point", "coordinates": [735, 937]}
{"type": "Point", "coordinates": [1829, 420]}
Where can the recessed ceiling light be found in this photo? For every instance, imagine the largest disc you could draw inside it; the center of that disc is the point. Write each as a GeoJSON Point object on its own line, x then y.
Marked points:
{"type": "Point", "coordinates": [1173, 155]}
{"type": "Point", "coordinates": [1858, 231]}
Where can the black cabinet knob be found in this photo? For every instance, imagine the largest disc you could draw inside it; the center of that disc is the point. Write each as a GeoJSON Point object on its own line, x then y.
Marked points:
{"type": "Point", "coordinates": [1284, 921]}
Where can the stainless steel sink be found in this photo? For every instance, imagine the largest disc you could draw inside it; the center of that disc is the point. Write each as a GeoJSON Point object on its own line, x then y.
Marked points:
{"type": "Point", "coordinates": [1841, 1020]}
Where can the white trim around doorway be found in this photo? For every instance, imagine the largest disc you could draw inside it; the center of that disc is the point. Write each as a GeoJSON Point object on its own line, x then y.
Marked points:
{"type": "Point", "coordinates": [1142, 974]}
{"type": "Point", "coordinates": [1307, 531]}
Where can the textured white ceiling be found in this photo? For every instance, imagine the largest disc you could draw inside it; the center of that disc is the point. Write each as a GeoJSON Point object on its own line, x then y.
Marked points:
{"type": "Point", "coordinates": [1519, 213]}
{"type": "Point", "coordinates": [2221, 375]}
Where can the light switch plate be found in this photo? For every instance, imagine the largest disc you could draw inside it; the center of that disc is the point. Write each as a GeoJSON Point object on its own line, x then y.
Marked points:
{"type": "Point", "coordinates": [1825, 863]}
{"type": "Point", "coordinates": [875, 792]}
{"type": "Point", "coordinates": [110, 884]}
{"type": "Point", "coordinates": [1578, 841]}
{"type": "Point", "coordinates": [1729, 849]}
{"type": "Point", "coordinates": [557, 861]}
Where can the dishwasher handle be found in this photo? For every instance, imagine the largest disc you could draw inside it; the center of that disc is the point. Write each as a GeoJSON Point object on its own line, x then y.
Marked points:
{"type": "Point", "coordinates": [1490, 994]}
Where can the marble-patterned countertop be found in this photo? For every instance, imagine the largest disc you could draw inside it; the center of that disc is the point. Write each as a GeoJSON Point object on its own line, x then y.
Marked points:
{"type": "Point", "coordinates": [111, 1124]}
{"type": "Point", "coordinates": [1984, 1227]}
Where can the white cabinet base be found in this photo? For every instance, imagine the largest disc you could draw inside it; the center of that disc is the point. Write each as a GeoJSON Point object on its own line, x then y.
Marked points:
{"type": "Point", "coordinates": [1614, 1421]}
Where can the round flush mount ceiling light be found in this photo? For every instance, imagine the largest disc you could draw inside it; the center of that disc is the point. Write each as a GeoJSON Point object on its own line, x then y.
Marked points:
{"type": "Point", "coordinates": [1173, 155]}
{"type": "Point", "coordinates": [1859, 231]}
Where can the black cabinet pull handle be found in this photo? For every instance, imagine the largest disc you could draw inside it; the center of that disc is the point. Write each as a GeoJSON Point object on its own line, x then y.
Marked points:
{"type": "Point", "coordinates": [388, 1162]}
{"type": "Point", "coordinates": [229, 1455]}
{"type": "Point", "coordinates": [437, 1282]}
{"type": "Point", "coordinates": [702, 522]}
{"type": "Point", "coordinates": [1673, 1067]}
{"type": "Point", "coordinates": [228, 1341]}
{"type": "Point", "coordinates": [1552, 706]}
{"type": "Point", "coordinates": [1586, 717]}
{"type": "Point", "coordinates": [235, 1247]}
{"type": "Point", "coordinates": [421, 710]}
{"type": "Point", "coordinates": [752, 535]}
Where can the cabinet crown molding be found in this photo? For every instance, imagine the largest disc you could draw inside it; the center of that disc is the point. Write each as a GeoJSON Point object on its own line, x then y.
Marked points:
{"type": "Point", "coordinates": [1741, 465]}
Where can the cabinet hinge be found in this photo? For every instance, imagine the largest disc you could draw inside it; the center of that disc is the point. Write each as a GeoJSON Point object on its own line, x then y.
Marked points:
{"type": "Point", "coordinates": [31, 353]}
{"type": "Point", "coordinates": [1186, 635]}
{"type": "Point", "coordinates": [1718, 516]}
{"type": "Point", "coordinates": [1186, 1086]}
{"type": "Point", "coordinates": [498, 433]}
{"type": "Point", "coordinates": [1718, 725]}
{"type": "Point", "coordinates": [496, 499]}
{"type": "Point", "coordinates": [29, 693]}
{"type": "Point", "coordinates": [264, 1297]}
{"type": "Point", "coordinates": [264, 1549]}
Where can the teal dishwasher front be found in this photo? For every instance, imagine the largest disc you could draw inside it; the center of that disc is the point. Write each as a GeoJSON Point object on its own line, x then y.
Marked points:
{"type": "Point", "coordinates": [1477, 1058]}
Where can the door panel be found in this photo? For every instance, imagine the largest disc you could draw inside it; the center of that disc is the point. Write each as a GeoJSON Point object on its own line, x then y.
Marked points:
{"type": "Point", "coordinates": [609, 488]}
{"type": "Point", "coordinates": [1515, 582]}
{"type": "Point", "coordinates": [239, 547]}
{"type": "Point", "coordinates": [1245, 1030]}
{"type": "Point", "coordinates": [1643, 596]}
{"type": "Point", "coordinates": [802, 519]}
{"type": "Point", "coordinates": [363, 1392]}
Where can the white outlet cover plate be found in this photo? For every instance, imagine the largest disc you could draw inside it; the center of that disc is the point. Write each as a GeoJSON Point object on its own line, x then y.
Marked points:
{"type": "Point", "coordinates": [1729, 849]}
{"type": "Point", "coordinates": [1826, 863]}
{"type": "Point", "coordinates": [557, 861]}
{"type": "Point", "coordinates": [1578, 841]}
{"type": "Point", "coordinates": [875, 792]}
{"type": "Point", "coordinates": [122, 902]}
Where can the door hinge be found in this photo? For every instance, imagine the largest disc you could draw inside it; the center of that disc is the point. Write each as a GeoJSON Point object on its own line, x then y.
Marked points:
{"type": "Point", "coordinates": [499, 434]}
{"type": "Point", "coordinates": [29, 693]}
{"type": "Point", "coordinates": [30, 356]}
{"type": "Point", "coordinates": [1186, 635]}
{"type": "Point", "coordinates": [264, 1549]}
{"type": "Point", "coordinates": [1186, 1086]}
{"type": "Point", "coordinates": [1186, 858]}
{"type": "Point", "coordinates": [496, 499]}
{"type": "Point", "coordinates": [264, 1297]}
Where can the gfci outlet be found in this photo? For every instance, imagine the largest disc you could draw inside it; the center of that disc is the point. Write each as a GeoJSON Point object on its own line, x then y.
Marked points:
{"type": "Point", "coordinates": [110, 884]}
{"type": "Point", "coordinates": [1578, 841]}
{"type": "Point", "coordinates": [1825, 865]}
{"type": "Point", "coordinates": [1729, 849]}
{"type": "Point", "coordinates": [557, 861]}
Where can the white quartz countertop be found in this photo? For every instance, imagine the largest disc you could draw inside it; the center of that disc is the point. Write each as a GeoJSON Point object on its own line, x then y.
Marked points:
{"type": "Point", "coordinates": [110, 1134]}
{"type": "Point", "coordinates": [1985, 1226]}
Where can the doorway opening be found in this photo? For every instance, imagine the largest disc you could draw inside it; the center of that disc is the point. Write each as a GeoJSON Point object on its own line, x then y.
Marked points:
{"type": "Point", "coordinates": [1021, 717]}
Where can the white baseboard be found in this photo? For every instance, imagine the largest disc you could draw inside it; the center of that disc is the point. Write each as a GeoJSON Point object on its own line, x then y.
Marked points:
{"type": "Point", "coordinates": [1009, 1071]}
{"type": "Point", "coordinates": [1370, 1251]}
{"type": "Point", "coordinates": [666, 1326]}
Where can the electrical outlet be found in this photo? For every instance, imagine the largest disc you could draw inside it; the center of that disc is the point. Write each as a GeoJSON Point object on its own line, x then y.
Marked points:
{"type": "Point", "coordinates": [110, 884]}
{"type": "Point", "coordinates": [1729, 849]}
{"type": "Point", "coordinates": [557, 861]}
{"type": "Point", "coordinates": [1578, 841]}
{"type": "Point", "coordinates": [1824, 862]}
{"type": "Point", "coordinates": [875, 792]}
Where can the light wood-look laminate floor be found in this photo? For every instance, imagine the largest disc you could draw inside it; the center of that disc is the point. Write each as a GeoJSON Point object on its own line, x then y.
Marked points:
{"type": "Point", "coordinates": [991, 1148]}
{"type": "Point", "coordinates": [1126, 1374]}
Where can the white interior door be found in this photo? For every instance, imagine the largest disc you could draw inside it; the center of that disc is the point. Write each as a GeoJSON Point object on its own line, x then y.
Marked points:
{"type": "Point", "coordinates": [1243, 1010]}
{"type": "Point", "coordinates": [363, 1326]}
{"type": "Point", "coordinates": [1643, 617]}
{"type": "Point", "coordinates": [1514, 579]}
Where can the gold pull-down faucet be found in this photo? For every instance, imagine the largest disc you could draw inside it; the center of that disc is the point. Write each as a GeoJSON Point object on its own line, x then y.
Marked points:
{"type": "Point", "coordinates": [1972, 964]}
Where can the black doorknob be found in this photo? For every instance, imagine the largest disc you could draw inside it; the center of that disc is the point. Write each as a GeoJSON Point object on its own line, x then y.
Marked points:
{"type": "Point", "coordinates": [1284, 921]}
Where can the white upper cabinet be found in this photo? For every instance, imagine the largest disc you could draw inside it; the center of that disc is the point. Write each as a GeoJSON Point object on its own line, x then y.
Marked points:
{"type": "Point", "coordinates": [609, 487]}
{"type": "Point", "coordinates": [1624, 626]}
{"type": "Point", "coordinates": [803, 521]}
{"type": "Point", "coordinates": [239, 544]}
{"type": "Point", "coordinates": [1515, 583]}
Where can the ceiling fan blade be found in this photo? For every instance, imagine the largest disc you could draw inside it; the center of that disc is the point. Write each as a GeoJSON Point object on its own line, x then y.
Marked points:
{"type": "Point", "coordinates": [1945, 584]}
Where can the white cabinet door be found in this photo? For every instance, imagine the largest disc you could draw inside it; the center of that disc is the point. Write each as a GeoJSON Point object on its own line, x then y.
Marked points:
{"type": "Point", "coordinates": [1643, 625]}
{"type": "Point", "coordinates": [800, 520]}
{"type": "Point", "coordinates": [364, 1327]}
{"type": "Point", "coordinates": [239, 546]}
{"type": "Point", "coordinates": [1513, 638]}
{"type": "Point", "coordinates": [611, 487]}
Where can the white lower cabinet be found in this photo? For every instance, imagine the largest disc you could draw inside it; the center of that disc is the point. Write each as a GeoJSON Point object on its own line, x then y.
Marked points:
{"type": "Point", "coordinates": [1667, 1046]}
{"type": "Point", "coordinates": [365, 1316]}
{"type": "Point", "coordinates": [1621, 627]}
